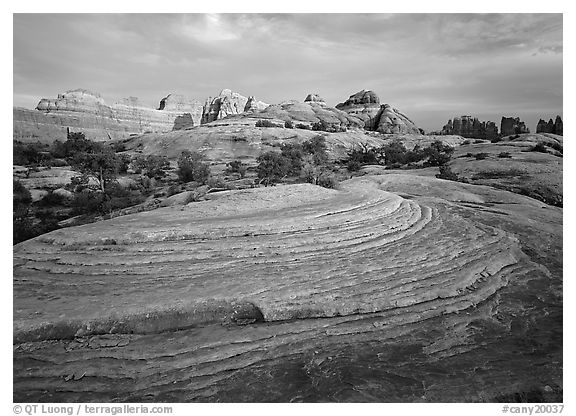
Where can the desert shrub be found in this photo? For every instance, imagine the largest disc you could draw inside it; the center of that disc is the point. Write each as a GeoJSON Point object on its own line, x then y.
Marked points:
{"type": "Point", "coordinates": [97, 202]}
{"type": "Point", "coordinates": [272, 167]}
{"type": "Point", "coordinates": [363, 155]}
{"type": "Point", "coordinates": [293, 152]}
{"type": "Point", "coordinates": [87, 202]}
{"type": "Point", "coordinates": [21, 195]}
{"type": "Point", "coordinates": [556, 146]}
{"type": "Point", "coordinates": [469, 154]}
{"type": "Point", "coordinates": [118, 147]}
{"type": "Point", "coordinates": [31, 154]}
{"type": "Point", "coordinates": [316, 146]}
{"type": "Point", "coordinates": [22, 228]}
{"type": "Point", "coordinates": [539, 147]}
{"type": "Point", "coordinates": [394, 153]}
{"type": "Point", "coordinates": [100, 163]}
{"type": "Point", "coordinates": [51, 199]}
{"type": "Point", "coordinates": [123, 163]}
{"type": "Point", "coordinates": [328, 181]}
{"type": "Point", "coordinates": [325, 126]}
{"type": "Point", "coordinates": [289, 124]}
{"type": "Point", "coordinates": [353, 165]}
{"type": "Point", "coordinates": [481, 156]}
{"type": "Point", "coordinates": [236, 166]}
{"type": "Point", "coordinates": [265, 123]}
{"type": "Point", "coordinates": [152, 166]}
{"type": "Point", "coordinates": [447, 174]}
{"type": "Point", "coordinates": [191, 167]}
{"type": "Point", "coordinates": [438, 153]}
{"type": "Point", "coordinates": [504, 155]}
{"type": "Point", "coordinates": [303, 126]}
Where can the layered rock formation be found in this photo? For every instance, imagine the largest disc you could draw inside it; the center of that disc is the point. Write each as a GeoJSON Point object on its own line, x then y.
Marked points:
{"type": "Point", "coordinates": [365, 105]}
{"type": "Point", "coordinates": [229, 103]}
{"type": "Point", "coordinates": [512, 125]}
{"type": "Point", "coordinates": [87, 111]}
{"type": "Point", "coordinates": [469, 127]}
{"type": "Point", "coordinates": [554, 127]}
{"type": "Point", "coordinates": [297, 293]}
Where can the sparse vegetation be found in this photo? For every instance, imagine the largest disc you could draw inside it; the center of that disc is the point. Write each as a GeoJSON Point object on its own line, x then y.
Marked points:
{"type": "Point", "coordinates": [395, 155]}
{"type": "Point", "coordinates": [289, 124]}
{"type": "Point", "coordinates": [481, 156]}
{"type": "Point", "coordinates": [192, 167]}
{"type": "Point", "coordinates": [152, 166]}
{"type": "Point", "coordinates": [308, 161]}
{"type": "Point", "coordinates": [236, 166]}
{"type": "Point", "coordinates": [272, 167]}
{"type": "Point", "coordinates": [504, 155]}
{"type": "Point", "coordinates": [447, 174]}
{"type": "Point", "coordinates": [539, 147]}
{"type": "Point", "coordinates": [266, 123]}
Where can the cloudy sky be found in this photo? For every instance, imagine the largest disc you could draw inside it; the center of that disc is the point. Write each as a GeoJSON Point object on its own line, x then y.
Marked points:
{"type": "Point", "coordinates": [430, 66]}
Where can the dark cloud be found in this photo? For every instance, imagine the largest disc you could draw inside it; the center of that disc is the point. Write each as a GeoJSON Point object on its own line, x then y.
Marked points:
{"type": "Point", "coordinates": [432, 66]}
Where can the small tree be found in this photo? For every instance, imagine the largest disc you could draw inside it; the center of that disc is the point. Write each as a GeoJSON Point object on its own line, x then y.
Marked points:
{"type": "Point", "coordinates": [236, 166]}
{"type": "Point", "coordinates": [438, 153]}
{"type": "Point", "coordinates": [152, 166]}
{"type": "Point", "coordinates": [191, 167]}
{"type": "Point", "coordinates": [102, 164]}
{"type": "Point", "coordinates": [272, 167]}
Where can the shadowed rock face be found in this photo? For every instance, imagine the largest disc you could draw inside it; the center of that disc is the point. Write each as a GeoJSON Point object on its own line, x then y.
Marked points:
{"type": "Point", "coordinates": [469, 127]}
{"type": "Point", "coordinates": [554, 127]}
{"type": "Point", "coordinates": [394, 288]}
{"type": "Point", "coordinates": [511, 125]}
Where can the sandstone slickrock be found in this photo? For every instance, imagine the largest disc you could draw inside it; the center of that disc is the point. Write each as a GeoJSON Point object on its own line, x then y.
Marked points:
{"type": "Point", "coordinates": [512, 125]}
{"type": "Point", "coordinates": [424, 290]}
{"type": "Point", "coordinates": [536, 174]}
{"type": "Point", "coordinates": [365, 105]}
{"type": "Point", "coordinates": [469, 127]}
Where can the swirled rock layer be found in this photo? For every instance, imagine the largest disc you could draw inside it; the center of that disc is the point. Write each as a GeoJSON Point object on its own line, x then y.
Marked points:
{"type": "Point", "coordinates": [302, 293]}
